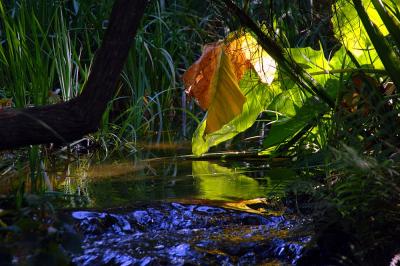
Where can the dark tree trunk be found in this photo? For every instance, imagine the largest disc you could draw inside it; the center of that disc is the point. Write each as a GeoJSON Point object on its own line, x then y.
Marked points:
{"type": "Point", "coordinates": [64, 122]}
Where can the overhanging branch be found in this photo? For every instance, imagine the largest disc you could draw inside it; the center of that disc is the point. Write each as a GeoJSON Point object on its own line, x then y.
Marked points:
{"type": "Point", "coordinates": [71, 120]}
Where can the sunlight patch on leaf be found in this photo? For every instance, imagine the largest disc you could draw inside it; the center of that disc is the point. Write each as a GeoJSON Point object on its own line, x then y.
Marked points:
{"type": "Point", "coordinates": [258, 95]}
{"type": "Point", "coordinates": [287, 102]}
{"type": "Point", "coordinates": [230, 82]}
{"type": "Point", "coordinates": [213, 83]}
{"type": "Point", "coordinates": [312, 61]}
{"type": "Point", "coordinates": [262, 62]}
{"type": "Point", "coordinates": [349, 29]}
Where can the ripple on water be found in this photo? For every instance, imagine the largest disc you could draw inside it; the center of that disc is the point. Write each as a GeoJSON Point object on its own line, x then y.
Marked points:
{"type": "Point", "coordinates": [178, 234]}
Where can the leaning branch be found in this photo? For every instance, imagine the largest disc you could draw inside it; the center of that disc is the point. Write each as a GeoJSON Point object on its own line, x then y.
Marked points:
{"type": "Point", "coordinates": [71, 120]}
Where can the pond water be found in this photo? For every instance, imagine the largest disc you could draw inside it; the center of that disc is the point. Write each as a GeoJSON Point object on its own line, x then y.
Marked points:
{"type": "Point", "coordinates": [157, 209]}
{"type": "Point", "coordinates": [122, 182]}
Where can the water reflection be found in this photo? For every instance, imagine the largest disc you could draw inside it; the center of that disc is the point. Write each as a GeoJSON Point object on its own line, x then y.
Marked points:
{"type": "Point", "coordinates": [117, 183]}
{"type": "Point", "coordinates": [216, 182]}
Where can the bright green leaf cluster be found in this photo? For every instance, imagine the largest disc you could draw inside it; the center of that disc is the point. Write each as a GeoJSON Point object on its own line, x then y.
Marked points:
{"type": "Point", "coordinates": [362, 26]}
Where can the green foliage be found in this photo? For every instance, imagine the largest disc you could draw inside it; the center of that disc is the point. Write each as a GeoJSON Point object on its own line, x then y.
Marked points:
{"type": "Point", "coordinates": [26, 67]}
{"type": "Point", "coordinates": [363, 181]}
{"type": "Point", "coordinates": [258, 96]}
{"type": "Point", "coordinates": [361, 129]}
{"type": "Point", "coordinates": [388, 56]}
{"type": "Point", "coordinates": [150, 101]}
{"type": "Point", "coordinates": [360, 203]}
{"type": "Point", "coordinates": [41, 53]}
{"type": "Point", "coordinates": [302, 106]}
{"type": "Point", "coordinates": [285, 129]}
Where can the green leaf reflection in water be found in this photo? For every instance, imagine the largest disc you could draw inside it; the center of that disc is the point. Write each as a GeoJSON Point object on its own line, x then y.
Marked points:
{"type": "Point", "coordinates": [216, 182]}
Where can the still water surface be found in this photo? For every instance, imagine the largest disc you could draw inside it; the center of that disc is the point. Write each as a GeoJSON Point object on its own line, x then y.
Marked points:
{"type": "Point", "coordinates": [177, 210]}
{"type": "Point", "coordinates": [125, 181]}
{"type": "Point", "coordinates": [159, 208]}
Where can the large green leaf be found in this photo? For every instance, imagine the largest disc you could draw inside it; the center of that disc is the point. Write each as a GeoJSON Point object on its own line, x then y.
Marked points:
{"type": "Point", "coordinates": [228, 100]}
{"type": "Point", "coordinates": [350, 31]}
{"type": "Point", "coordinates": [258, 95]}
{"type": "Point", "coordinates": [385, 51]}
{"type": "Point", "coordinates": [298, 109]}
{"type": "Point", "coordinates": [286, 129]}
{"type": "Point", "coordinates": [313, 61]}
{"type": "Point", "coordinates": [287, 102]}
{"type": "Point", "coordinates": [212, 81]}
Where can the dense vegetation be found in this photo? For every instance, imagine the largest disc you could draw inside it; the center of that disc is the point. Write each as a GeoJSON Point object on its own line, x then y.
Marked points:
{"type": "Point", "coordinates": [330, 104]}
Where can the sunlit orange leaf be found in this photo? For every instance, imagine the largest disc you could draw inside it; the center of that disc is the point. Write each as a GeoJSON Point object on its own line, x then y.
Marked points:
{"type": "Point", "coordinates": [245, 52]}
{"type": "Point", "coordinates": [198, 77]}
{"type": "Point", "coordinates": [237, 55]}
{"type": "Point", "coordinates": [212, 81]}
